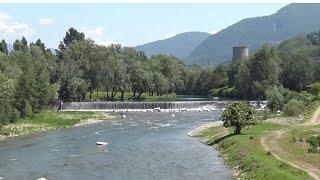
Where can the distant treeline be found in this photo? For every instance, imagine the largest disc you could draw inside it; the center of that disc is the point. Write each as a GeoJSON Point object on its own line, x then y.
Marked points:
{"type": "Point", "coordinates": [293, 65]}
{"type": "Point", "coordinates": [31, 76]}
{"type": "Point", "coordinates": [280, 74]}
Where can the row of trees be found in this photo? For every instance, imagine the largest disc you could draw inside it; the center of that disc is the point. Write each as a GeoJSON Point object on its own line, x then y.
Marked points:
{"type": "Point", "coordinates": [269, 68]}
{"type": "Point", "coordinates": [88, 67]}
{"type": "Point", "coordinates": [31, 76]}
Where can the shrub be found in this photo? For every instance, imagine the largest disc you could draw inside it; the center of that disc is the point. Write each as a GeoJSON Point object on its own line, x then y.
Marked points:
{"type": "Point", "coordinates": [314, 142]}
{"type": "Point", "coordinates": [293, 107]}
{"type": "Point", "coordinates": [316, 89]}
{"type": "Point", "coordinates": [238, 115]}
{"type": "Point", "coordinates": [294, 139]}
{"type": "Point", "coordinates": [312, 149]}
{"type": "Point", "coordinates": [300, 139]}
{"type": "Point", "coordinates": [275, 99]}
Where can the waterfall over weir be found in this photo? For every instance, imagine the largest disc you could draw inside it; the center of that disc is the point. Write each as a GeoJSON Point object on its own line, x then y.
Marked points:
{"type": "Point", "coordinates": [143, 106]}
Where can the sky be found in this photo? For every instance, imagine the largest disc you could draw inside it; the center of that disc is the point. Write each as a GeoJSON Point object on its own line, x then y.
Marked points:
{"type": "Point", "coordinates": [127, 24]}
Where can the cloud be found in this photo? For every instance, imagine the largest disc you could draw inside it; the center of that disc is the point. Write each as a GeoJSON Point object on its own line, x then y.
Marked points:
{"type": "Point", "coordinates": [4, 16]}
{"type": "Point", "coordinates": [45, 21]}
{"type": "Point", "coordinates": [98, 34]}
{"type": "Point", "coordinates": [169, 35]}
{"type": "Point", "coordinates": [11, 30]}
{"type": "Point", "coordinates": [93, 33]}
{"type": "Point", "coordinates": [214, 32]}
{"type": "Point", "coordinates": [108, 42]}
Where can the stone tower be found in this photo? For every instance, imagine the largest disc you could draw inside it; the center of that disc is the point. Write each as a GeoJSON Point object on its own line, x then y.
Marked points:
{"type": "Point", "coordinates": [240, 52]}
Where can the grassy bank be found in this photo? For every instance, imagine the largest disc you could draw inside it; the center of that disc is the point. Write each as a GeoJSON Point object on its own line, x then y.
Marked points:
{"type": "Point", "coordinates": [47, 120]}
{"type": "Point", "coordinates": [245, 153]}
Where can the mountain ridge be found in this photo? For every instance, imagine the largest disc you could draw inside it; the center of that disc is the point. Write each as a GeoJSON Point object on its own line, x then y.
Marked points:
{"type": "Point", "coordinates": [289, 21]}
{"type": "Point", "coordinates": [179, 45]}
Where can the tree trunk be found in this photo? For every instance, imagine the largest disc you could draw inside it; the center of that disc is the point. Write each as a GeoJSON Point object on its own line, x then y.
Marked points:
{"type": "Point", "coordinates": [90, 95]}
{"type": "Point", "coordinates": [122, 95]}
{"type": "Point", "coordinates": [108, 98]}
{"type": "Point", "coordinates": [134, 93]}
{"type": "Point", "coordinates": [237, 130]}
{"type": "Point", "coordinates": [113, 94]}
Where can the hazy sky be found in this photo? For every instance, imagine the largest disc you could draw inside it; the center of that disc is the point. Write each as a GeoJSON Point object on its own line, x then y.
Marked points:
{"type": "Point", "coordinates": [128, 24]}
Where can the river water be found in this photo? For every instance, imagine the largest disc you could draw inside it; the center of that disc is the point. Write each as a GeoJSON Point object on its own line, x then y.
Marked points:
{"type": "Point", "coordinates": [143, 146]}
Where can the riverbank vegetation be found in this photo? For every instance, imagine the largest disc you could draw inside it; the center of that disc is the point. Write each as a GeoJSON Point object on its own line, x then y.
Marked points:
{"type": "Point", "coordinates": [48, 120]}
{"type": "Point", "coordinates": [245, 153]}
{"type": "Point", "coordinates": [276, 148]}
{"type": "Point", "coordinates": [32, 77]}
{"type": "Point", "coordinates": [238, 115]}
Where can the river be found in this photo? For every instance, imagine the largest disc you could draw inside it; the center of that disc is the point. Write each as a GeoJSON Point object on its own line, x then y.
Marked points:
{"type": "Point", "coordinates": [143, 146]}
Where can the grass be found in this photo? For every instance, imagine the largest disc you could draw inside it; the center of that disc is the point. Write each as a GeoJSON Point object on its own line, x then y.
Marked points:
{"type": "Point", "coordinates": [44, 121]}
{"type": "Point", "coordinates": [245, 152]}
{"type": "Point", "coordinates": [309, 110]}
{"type": "Point", "coordinates": [144, 97]}
{"type": "Point", "coordinates": [295, 143]}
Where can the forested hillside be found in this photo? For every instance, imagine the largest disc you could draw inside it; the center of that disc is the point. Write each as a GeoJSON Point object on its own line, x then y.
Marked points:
{"type": "Point", "coordinates": [288, 22]}
{"type": "Point", "coordinates": [179, 46]}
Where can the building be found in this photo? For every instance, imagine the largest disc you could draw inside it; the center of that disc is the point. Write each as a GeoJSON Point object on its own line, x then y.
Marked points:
{"type": "Point", "coordinates": [240, 52]}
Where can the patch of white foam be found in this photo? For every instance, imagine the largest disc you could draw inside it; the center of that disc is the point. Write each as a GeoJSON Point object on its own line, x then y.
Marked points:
{"type": "Point", "coordinates": [206, 108]}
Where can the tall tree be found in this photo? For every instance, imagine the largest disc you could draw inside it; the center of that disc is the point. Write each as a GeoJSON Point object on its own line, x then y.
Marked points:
{"type": "Point", "coordinates": [71, 35]}
{"type": "Point", "coordinates": [264, 71]}
{"type": "Point", "coordinates": [4, 47]}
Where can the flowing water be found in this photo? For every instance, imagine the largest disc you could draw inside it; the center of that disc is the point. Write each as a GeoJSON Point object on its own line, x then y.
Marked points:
{"type": "Point", "coordinates": [142, 106]}
{"type": "Point", "coordinates": [143, 146]}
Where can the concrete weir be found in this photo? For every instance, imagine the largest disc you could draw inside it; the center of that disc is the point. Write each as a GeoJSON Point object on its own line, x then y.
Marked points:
{"type": "Point", "coordinates": [144, 106]}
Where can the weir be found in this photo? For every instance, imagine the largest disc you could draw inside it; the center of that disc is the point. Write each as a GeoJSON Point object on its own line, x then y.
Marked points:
{"type": "Point", "coordinates": [135, 106]}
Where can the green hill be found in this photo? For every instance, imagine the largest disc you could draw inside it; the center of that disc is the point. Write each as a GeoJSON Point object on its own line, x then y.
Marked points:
{"type": "Point", "coordinates": [180, 45]}
{"type": "Point", "coordinates": [290, 21]}
{"type": "Point", "coordinates": [307, 45]}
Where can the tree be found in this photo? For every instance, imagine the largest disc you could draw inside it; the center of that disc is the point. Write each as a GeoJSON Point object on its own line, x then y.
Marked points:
{"type": "Point", "coordinates": [241, 81]}
{"type": "Point", "coordinates": [298, 71]}
{"type": "Point", "coordinates": [138, 77]}
{"type": "Point", "coordinates": [238, 115]}
{"type": "Point", "coordinates": [264, 71]}
{"type": "Point", "coordinates": [275, 99]}
{"type": "Point", "coordinates": [24, 42]}
{"type": "Point", "coordinates": [4, 47]}
{"type": "Point", "coordinates": [6, 99]}
{"type": "Point", "coordinates": [40, 45]}
{"type": "Point", "coordinates": [71, 35]}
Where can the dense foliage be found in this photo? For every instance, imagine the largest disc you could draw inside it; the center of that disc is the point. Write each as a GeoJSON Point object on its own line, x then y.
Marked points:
{"type": "Point", "coordinates": [238, 115]}
{"type": "Point", "coordinates": [278, 74]}
{"type": "Point", "coordinates": [31, 76]}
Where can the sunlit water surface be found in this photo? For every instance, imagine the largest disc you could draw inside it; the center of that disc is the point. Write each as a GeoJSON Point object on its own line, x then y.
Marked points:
{"type": "Point", "coordinates": [142, 146]}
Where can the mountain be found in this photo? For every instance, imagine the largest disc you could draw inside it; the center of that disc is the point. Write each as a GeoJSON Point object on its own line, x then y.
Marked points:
{"type": "Point", "coordinates": [291, 20]}
{"type": "Point", "coordinates": [179, 45]}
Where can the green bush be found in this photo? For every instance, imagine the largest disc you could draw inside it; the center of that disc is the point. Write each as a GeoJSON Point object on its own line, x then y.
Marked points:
{"type": "Point", "coordinates": [238, 115]}
{"type": "Point", "coordinates": [316, 89]}
{"type": "Point", "coordinates": [312, 149]}
{"type": "Point", "coordinates": [293, 107]}
{"type": "Point", "coordinates": [314, 142]}
{"type": "Point", "coordinates": [275, 99]}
